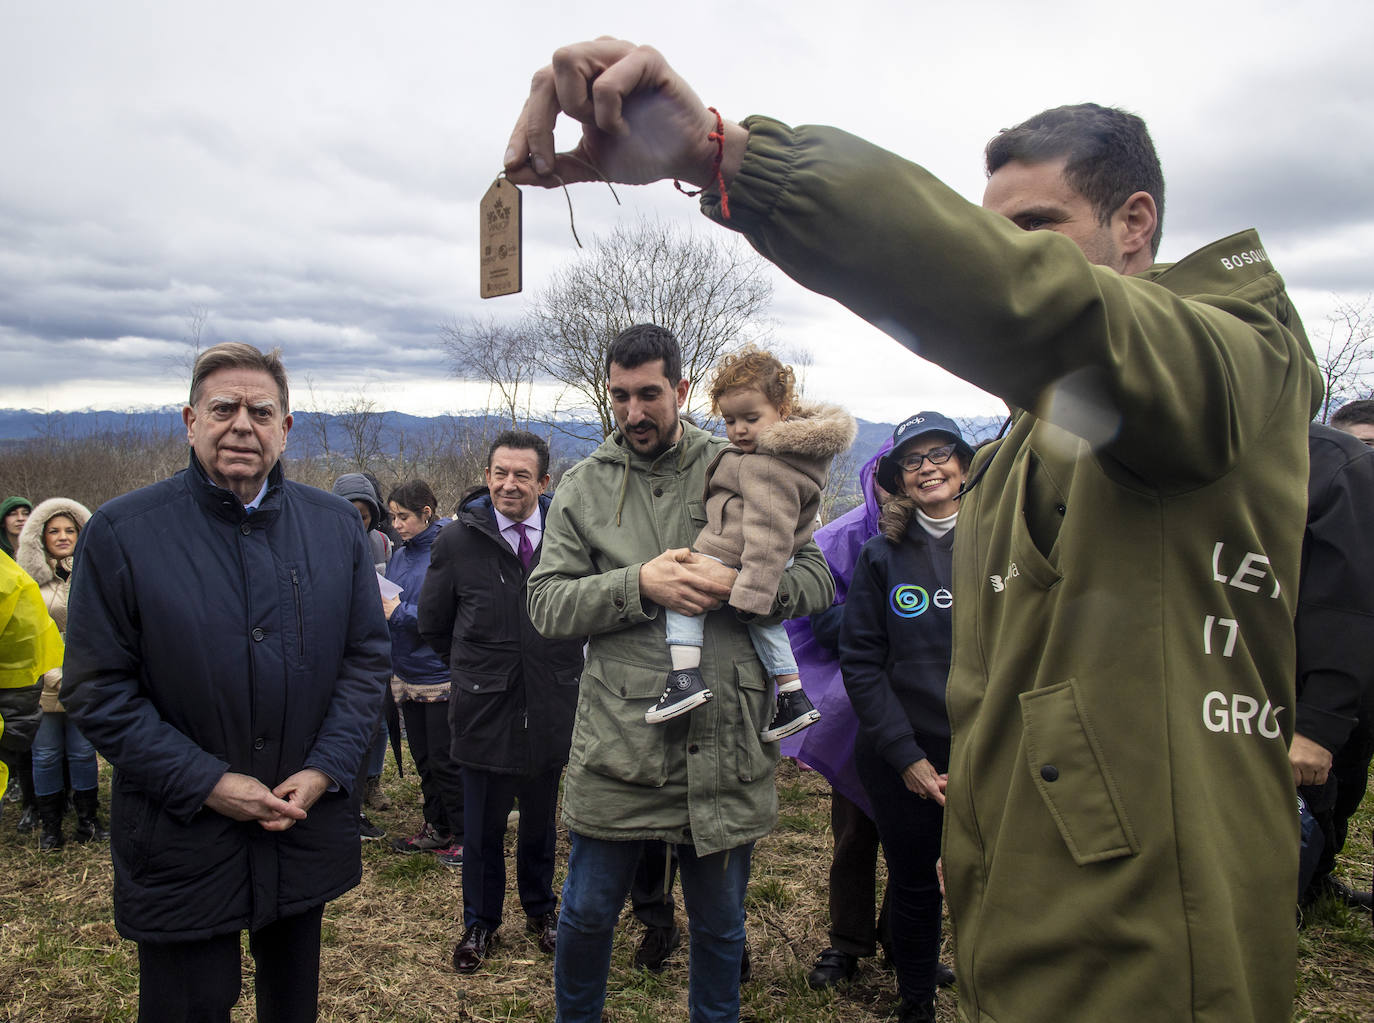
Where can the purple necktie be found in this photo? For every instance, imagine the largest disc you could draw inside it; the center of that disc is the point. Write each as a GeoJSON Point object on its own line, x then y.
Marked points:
{"type": "Point", "coordinates": [526, 549]}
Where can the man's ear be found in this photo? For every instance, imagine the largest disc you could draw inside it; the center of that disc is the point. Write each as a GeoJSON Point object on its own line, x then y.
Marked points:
{"type": "Point", "coordinates": [683, 386]}
{"type": "Point", "coordinates": [1134, 224]}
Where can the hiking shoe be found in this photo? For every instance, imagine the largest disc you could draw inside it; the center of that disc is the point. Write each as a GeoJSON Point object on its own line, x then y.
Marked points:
{"type": "Point", "coordinates": [374, 797]}
{"type": "Point", "coordinates": [656, 946]}
{"type": "Point", "coordinates": [794, 713]}
{"type": "Point", "coordinates": [424, 840]}
{"type": "Point", "coordinates": [368, 831]}
{"type": "Point", "coordinates": [746, 964]}
{"type": "Point", "coordinates": [686, 689]}
{"type": "Point", "coordinates": [451, 856]}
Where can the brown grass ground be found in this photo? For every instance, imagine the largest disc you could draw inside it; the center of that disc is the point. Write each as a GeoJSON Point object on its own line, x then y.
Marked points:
{"type": "Point", "coordinates": [387, 944]}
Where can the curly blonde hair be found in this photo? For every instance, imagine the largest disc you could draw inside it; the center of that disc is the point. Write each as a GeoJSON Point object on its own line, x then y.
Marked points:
{"type": "Point", "coordinates": [753, 367]}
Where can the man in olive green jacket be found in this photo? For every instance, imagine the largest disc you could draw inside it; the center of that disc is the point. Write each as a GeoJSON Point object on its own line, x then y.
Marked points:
{"type": "Point", "coordinates": [1121, 837]}
{"type": "Point", "coordinates": [615, 552]}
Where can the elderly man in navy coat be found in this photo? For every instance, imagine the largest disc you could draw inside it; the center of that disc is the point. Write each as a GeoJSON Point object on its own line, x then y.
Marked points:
{"type": "Point", "coordinates": [225, 652]}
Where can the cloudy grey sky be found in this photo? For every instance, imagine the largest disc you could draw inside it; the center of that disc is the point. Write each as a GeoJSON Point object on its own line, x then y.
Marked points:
{"type": "Point", "coordinates": [308, 173]}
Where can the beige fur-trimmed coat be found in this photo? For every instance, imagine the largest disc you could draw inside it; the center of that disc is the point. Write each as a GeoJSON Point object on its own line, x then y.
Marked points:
{"type": "Point", "coordinates": [761, 506]}
{"type": "Point", "coordinates": [33, 558]}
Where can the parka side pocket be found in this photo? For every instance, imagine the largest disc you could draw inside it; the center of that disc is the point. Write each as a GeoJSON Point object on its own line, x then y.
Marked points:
{"type": "Point", "coordinates": [1069, 770]}
{"type": "Point", "coordinates": [754, 758]}
{"type": "Point", "coordinates": [610, 733]}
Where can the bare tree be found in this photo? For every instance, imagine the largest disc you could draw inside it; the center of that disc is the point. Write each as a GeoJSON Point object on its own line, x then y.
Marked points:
{"type": "Point", "coordinates": [1344, 361]}
{"type": "Point", "coordinates": [712, 294]}
{"type": "Point", "coordinates": [501, 354]}
{"type": "Point", "coordinates": [362, 422]}
{"type": "Point", "coordinates": [194, 341]}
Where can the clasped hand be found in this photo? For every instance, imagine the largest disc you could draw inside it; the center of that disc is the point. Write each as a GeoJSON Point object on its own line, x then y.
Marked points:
{"type": "Point", "coordinates": [685, 582]}
{"type": "Point", "coordinates": [243, 798]}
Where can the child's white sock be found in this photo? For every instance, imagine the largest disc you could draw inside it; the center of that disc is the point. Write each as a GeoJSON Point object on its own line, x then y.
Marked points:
{"type": "Point", "coordinates": [684, 656]}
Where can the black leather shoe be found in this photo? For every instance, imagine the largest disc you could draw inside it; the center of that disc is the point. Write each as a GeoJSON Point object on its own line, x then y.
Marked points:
{"type": "Point", "coordinates": [832, 967]}
{"type": "Point", "coordinates": [469, 953]}
{"type": "Point", "coordinates": [944, 976]}
{"type": "Point", "coordinates": [657, 944]}
{"type": "Point", "coordinates": [1342, 892]}
{"type": "Point", "coordinates": [545, 928]}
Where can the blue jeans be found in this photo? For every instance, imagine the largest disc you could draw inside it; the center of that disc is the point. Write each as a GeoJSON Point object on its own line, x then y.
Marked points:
{"type": "Point", "coordinates": [56, 736]}
{"type": "Point", "coordinates": [375, 757]}
{"type": "Point", "coordinates": [599, 877]}
{"type": "Point", "coordinates": [770, 641]}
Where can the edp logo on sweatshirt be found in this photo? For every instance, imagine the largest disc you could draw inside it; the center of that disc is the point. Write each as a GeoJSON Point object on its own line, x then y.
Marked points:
{"type": "Point", "coordinates": [910, 601]}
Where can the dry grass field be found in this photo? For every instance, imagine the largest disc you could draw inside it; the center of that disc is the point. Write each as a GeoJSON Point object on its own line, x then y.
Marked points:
{"type": "Point", "coordinates": [387, 943]}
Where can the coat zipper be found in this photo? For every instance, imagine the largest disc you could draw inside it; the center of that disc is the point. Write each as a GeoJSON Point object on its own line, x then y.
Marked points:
{"type": "Point", "coordinates": [300, 615]}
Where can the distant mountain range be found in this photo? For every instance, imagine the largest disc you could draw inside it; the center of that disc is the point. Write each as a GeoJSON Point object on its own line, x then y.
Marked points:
{"type": "Point", "coordinates": [573, 438]}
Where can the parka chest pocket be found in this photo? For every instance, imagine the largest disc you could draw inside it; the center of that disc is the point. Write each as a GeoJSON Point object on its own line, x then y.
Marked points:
{"type": "Point", "coordinates": [1069, 771]}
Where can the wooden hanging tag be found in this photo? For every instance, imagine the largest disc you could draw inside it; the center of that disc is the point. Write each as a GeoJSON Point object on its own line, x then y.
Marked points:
{"type": "Point", "coordinates": [499, 237]}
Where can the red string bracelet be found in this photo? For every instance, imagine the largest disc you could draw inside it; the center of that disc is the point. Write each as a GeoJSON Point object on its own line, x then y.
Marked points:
{"type": "Point", "coordinates": [718, 137]}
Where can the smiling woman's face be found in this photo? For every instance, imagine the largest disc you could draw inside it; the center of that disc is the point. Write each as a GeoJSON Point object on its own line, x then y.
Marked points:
{"type": "Point", "coordinates": [933, 487]}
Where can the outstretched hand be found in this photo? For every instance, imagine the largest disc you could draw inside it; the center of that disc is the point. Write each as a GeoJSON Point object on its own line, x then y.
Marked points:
{"type": "Point", "coordinates": [641, 121]}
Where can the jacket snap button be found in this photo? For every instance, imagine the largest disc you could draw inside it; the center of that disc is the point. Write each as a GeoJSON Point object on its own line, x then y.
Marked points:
{"type": "Point", "coordinates": [693, 748]}
{"type": "Point", "coordinates": [245, 529]}
{"type": "Point", "coordinates": [658, 491]}
{"type": "Point", "coordinates": [1049, 772]}
{"type": "Point", "coordinates": [257, 635]}
{"type": "Point", "coordinates": [259, 743]}
{"type": "Point", "coordinates": [1060, 509]}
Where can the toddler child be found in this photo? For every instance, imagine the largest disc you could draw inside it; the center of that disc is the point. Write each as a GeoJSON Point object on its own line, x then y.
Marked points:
{"type": "Point", "coordinates": [762, 497]}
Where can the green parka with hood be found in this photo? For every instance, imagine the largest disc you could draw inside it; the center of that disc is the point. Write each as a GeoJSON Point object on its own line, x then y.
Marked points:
{"type": "Point", "coordinates": [704, 778]}
{"type": "Point", "coordinates": [1121, 834]}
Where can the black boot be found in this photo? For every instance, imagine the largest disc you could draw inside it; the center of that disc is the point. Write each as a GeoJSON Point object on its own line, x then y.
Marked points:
{"type": "Point", "coordinates": [88, 824]}
{"type": "Point", "coordinates": [50, 810]}
{"type": "Point", "coordinates": [28, 816]}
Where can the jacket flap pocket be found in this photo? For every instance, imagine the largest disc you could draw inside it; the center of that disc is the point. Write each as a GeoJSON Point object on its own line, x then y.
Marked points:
{"type": "Point", "coordinates": [628, 680]}
{"type": "Point", "coordinates": [482, 682]}
{"type": "Point", "coordinates": [1069, 770]}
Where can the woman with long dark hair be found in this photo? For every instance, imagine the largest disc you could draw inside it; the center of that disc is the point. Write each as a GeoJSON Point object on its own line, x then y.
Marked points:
{"type": "Point", "coordinates": [422, 680]}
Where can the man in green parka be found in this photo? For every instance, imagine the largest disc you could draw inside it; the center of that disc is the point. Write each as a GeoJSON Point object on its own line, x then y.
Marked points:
{"type": "Point", "coordinates": [616, 551]}
{"type": "Point", "coordinates": [1121, 834]}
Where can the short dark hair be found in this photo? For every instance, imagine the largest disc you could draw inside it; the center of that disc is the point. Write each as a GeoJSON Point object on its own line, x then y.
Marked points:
{"type": "Point", "coordinates": [1109, 155]}
{"type": "Point", "coordinates": [414, 496]}
{"type": "Point", "coordinates": [1354, 412]}
{"type": "Point", "coordinates": [525, 441]}
{"type": "Point", "coordinates": [235, 355]}
{"type": "Point", "coordinates": [645, 342]}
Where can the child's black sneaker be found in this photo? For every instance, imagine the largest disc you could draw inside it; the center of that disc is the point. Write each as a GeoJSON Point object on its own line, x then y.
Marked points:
{"type": "Point", "coordinates": [795, 712]}
{"type": "Point", "coordinates": [686, 690]}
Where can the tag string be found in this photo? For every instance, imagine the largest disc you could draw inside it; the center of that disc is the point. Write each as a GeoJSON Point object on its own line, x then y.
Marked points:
{"type": "Point", "coordinates": [718, 137]}
{"type": "Point", "coordinates": [572, 223]}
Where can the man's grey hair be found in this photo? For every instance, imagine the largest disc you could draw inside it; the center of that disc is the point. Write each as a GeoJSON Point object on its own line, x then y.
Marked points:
{"type": "Point", "coordinates": [236, 355]}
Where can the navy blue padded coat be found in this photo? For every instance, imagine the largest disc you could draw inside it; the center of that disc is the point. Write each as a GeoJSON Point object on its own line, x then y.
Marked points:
{"type": "Point", "coordinates": [202, 639]}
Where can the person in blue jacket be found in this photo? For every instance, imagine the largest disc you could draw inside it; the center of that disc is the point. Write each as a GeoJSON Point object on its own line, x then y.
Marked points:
{"type": "Point", "coordinates": [225, 653]}
{"type": "Point", "coordinates": [422, 678]}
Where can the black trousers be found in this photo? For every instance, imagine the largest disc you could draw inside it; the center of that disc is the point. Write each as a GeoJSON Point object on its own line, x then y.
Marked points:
{"type": "Point", "coordinates": [910, 829]}
{"type": "Point", "coordinates": [199, 981]}
{"type": "Point", "coordinates": [1335, 802]}
{"type": "Point", "coordinates": [487, 801]}
{"type": "Point", "coordinates": [651, 892]}
{"type": "Point", "coordinates": [441, 779]}
{"type": "Point", "coordinates": [853, 870]}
